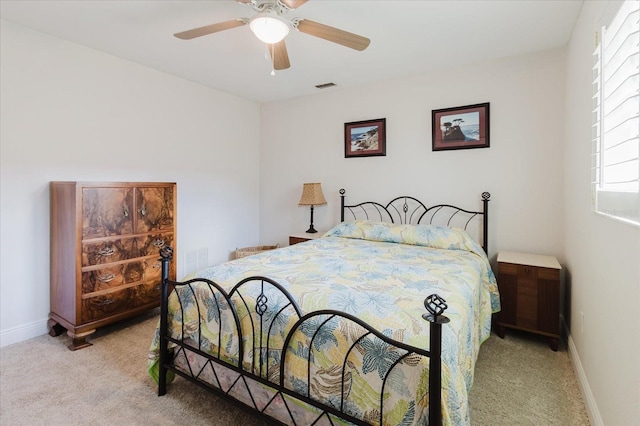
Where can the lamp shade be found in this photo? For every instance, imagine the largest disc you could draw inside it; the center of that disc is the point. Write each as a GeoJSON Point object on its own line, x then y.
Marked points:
{"type": "Point", "coordinates": [312, 195]}
{"type": "Point", "coordinates": [269, 27]}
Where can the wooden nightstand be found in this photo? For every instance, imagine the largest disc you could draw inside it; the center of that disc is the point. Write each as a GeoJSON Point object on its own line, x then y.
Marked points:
{"type": "Point", "coordinates": [529, 286]}
{"type": "Point", "coordinates": [302, 237]}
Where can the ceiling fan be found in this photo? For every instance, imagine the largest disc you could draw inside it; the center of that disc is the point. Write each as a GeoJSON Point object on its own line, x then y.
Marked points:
{"type": "Point", "coordinates": [270, 26]}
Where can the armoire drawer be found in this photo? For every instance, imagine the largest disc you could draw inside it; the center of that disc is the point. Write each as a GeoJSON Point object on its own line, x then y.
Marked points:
{"type": "Point", "coordinates": [116, 275]}
{"type": "Point", "coordinates": [110, 251]}
{"type": "Point", "coordinates": [102, 252]}
{"type": "Point", "coordinates": [113, 303]}
{"type": "Point", "coordinates": [151, 244]}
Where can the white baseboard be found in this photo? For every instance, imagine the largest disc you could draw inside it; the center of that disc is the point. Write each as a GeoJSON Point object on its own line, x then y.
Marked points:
{"type": "Point", "coordinates": [23, 332]}
{"type": "Point", "coordinates": [589, 400]}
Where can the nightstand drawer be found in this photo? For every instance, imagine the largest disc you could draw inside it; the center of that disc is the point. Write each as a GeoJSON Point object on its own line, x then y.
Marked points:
{"type": "Point", "coordinates": [304, 236]}
{"type": "Point", "coordinates": [527, 304]}
{"type": "Point", "coordinates": [295, 240]}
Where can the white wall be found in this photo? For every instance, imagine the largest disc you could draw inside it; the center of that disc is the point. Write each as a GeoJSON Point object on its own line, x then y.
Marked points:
{"type": "Point", "coordinates": [602, 257]}
{"type": "Point", "coordinates": [72, 113]}
{"type": "Point", "coordinates": [302, 141]}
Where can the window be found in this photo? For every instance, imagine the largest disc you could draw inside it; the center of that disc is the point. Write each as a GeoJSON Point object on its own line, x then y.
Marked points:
{"type": "Point", "coordinates": [616, 124]}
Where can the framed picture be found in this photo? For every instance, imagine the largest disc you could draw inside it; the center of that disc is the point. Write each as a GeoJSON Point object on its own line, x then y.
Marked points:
{"type": "Point", "coordinates": [460, 127]}
{"type": "Point", "coordinates": [365, 138]}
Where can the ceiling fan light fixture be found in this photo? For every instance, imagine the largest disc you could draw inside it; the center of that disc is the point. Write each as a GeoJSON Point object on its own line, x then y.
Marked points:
{"type": "Point", "coordinates": [269, 27]}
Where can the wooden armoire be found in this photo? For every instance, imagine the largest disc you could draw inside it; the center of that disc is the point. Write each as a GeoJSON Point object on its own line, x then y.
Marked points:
{"type": "Point", "coordinates": [105, 239]}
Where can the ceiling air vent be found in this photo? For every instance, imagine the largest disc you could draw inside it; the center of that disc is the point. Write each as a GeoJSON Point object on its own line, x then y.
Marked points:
{"type": "Point", "coordinates": [325, 85]}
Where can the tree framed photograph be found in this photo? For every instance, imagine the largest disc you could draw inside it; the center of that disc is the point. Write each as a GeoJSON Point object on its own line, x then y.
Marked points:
{"type": "Point", "coordinates": [460, 127]}
{"type": "Point", "coordinates": [365, 138]}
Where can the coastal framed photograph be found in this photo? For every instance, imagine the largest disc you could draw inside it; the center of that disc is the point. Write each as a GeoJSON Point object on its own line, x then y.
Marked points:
{"type": "Point", "coordinates": [365, 138]}
{"type": "Point", "coordinates": [460, 127]}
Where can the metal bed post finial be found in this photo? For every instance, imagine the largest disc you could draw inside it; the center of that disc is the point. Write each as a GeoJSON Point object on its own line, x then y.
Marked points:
{"type": "Point", "coordinates": [485, 221]}
{"type": "Point", "coordinates": [436, 305]}
{"type": "Point", "coordinates": [342, 192]}
{"type": "Point", "coordinates": [166, 253]}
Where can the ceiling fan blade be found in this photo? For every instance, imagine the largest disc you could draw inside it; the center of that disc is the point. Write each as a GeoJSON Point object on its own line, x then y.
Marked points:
{"type": "Point", "coordinates": [332, 34]}
{"type": "Point", "coordinates": [293, 4]}
{"type": "Point", "coordinates": [210, 29]}
{"type": "Point", "coordinates": [279, 56]}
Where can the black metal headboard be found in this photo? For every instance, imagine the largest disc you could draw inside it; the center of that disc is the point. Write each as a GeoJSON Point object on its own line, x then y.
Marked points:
{"type": "Point", "coordinates": [410, 210]}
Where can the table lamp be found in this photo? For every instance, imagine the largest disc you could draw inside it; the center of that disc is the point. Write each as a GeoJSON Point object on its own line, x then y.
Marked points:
{"type": "Point", "coordinates": [312, 196]}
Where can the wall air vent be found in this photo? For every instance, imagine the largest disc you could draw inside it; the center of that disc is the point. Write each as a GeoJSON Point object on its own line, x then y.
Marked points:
{"type": "Point", "coordinates": [325, 85]}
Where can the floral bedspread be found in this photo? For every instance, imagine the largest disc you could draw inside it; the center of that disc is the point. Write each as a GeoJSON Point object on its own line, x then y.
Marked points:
{"type": "Point", "coordinates": [380, 273]}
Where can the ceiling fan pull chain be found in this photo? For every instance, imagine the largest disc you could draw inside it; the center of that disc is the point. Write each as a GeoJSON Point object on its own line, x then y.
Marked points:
{"type": "Point", "coordinates": [273, 69]}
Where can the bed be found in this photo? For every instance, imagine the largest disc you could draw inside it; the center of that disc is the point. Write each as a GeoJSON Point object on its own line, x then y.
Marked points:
{"type": "Point", "coordinates": [344, 329]}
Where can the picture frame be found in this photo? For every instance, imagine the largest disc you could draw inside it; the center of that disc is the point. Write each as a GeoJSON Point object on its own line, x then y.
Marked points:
{"type": "Point", "coordinates": [365, 138]}
{"type": "Point", "coordinates": [449, 133]}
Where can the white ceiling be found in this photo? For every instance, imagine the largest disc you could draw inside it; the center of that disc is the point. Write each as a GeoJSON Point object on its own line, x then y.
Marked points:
{"type": "Point", "coordinates": [407, 38]}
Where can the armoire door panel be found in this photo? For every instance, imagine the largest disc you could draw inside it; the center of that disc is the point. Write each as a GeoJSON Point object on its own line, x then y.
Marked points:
{"type": "Point", "coordinates": [154, 209]}
{"type": "Point", "coordinates": [107, 212]}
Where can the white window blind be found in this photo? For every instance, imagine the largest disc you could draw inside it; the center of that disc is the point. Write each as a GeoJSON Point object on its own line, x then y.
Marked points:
{"type": "Point", "coordinates": [616, 128]}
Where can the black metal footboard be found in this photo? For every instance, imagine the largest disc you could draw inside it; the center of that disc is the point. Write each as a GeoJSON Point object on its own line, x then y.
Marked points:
{"type": "Point", "coordinates": [261, 322]}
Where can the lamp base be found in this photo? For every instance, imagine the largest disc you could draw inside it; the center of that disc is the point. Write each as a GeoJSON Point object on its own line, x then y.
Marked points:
{"type": "Point", "coordinates": [311, 229]}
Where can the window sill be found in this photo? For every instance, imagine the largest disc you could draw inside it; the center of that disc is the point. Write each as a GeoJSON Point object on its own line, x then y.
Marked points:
{"type": "Point", "coordinates": [619, 219]}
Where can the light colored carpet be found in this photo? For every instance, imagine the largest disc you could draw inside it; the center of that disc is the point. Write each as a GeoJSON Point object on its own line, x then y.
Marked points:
{"type": "Point", "coordinates": [519, 381]}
